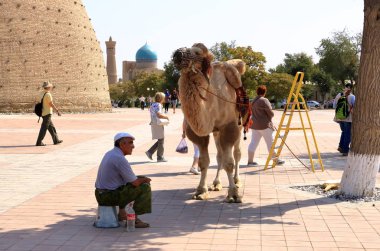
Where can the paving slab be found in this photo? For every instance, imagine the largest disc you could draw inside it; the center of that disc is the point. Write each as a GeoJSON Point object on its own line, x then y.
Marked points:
{"type": "Point", "coordinates": [47, 198]}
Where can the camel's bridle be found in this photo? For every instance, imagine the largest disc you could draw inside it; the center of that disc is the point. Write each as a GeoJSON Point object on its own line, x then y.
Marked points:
{"type": "Point", "coordinates": [183, 58]}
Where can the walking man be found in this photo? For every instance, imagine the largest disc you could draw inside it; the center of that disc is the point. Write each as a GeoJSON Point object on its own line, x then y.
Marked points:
{"type": "Point", "coordinates": [47, 112]}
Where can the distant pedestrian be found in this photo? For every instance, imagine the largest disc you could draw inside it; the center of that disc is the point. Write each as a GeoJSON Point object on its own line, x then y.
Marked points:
{"type": "Point", "coordinates": [47, 112]}
{"type": "Point", "coordinates": [142, 102]}
{"type": "Point", "coordinates": [262, 125]}
{"type": "Point", "coordinates": [167, 100]}
{"type": "Point", "coordinates": [174, 99]}
{"type": "Point", "coordinates": [150, 100]}
{"type": "Point", "coordinates": [343, 104]}
{"type": "Point", "coordinates": [157, 130]}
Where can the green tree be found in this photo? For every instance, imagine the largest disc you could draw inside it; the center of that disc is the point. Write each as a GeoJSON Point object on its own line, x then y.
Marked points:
{"type": "Point", "coordinates": [278, 85]}
{"type": "Point", "coordinates": [339, 56]}
{"type": "Point", "coordinates": [308, 90]}
{"type": "Point", "coordinates": [171, 75]}
{"type": "Point", "coordinates": [297, 62]}
{"type": "Point", "coordinates": [145, 80]}
{"type": "Point", "coordinates": [223, 51]}
{"type": "Point", "coordinates": [145, 83]}
{"type": "Point", "coordinates": [116, 91]}
{"type": "Point", "coordinates": [255, 62]}
{"type": "Point", "coordinates": [324, 81]}
{"type": "Point", "coordinates": [123, 92]}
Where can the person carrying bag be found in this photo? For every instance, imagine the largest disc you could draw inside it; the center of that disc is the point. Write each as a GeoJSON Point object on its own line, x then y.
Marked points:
{"type": "Point", "coordinates": [182, 147]}
{"type": "Point", "coordinates": [48, 106]}
{"type": "Point", "coordinates": [157, 127]}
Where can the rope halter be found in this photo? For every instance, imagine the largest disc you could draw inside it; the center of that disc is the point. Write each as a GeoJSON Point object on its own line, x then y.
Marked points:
{"type": "Point", "coordinates": [183, 58]}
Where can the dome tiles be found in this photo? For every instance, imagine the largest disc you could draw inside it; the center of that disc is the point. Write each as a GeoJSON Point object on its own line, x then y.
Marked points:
{"type": "Point", "coordinates": [145, 53]}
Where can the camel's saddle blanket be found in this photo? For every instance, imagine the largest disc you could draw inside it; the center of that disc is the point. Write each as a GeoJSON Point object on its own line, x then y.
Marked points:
{"type": "Point", "coordinates": [242, 104]}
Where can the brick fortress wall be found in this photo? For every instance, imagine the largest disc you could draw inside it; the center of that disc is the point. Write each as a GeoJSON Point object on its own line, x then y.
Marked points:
{"type": "Point", "coordinates": [50, 40]}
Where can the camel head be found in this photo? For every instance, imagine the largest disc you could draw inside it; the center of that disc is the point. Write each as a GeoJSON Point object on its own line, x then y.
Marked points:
{"type": "Point", "coordinates": [196, 58]}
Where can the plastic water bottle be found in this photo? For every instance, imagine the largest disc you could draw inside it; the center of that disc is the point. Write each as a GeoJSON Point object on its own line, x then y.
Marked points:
{"type": "Point", "coordinates": [131, 217]}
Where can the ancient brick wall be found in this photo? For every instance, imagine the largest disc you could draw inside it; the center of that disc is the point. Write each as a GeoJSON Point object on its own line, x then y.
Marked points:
{"type": "Point", "coordinates": [50, 40]}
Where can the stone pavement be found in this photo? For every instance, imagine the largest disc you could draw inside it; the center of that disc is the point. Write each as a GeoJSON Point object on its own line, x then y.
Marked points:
{"type": "Point", "coordinates": [47, 193]}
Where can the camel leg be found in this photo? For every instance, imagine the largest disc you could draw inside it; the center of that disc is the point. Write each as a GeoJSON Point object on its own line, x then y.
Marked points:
{"type": "Point", "coordinates": [204, 161]}
{"type": "Point", "coordinates": [237, 157]}
{"type": "Point", "coordinates": [217, 185]}
{"type": "Point", "coordinates": [228, 137]}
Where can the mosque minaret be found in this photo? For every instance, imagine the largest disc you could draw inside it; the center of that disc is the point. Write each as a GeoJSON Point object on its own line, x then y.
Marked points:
{"type": "Point", "coordinates": [145, 61]}
{"type": "Point", "coordinates": [111, 61]}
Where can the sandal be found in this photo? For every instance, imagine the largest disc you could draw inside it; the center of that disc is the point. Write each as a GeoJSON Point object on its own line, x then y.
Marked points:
{"type": "Point", "coordinates": [140, 224]}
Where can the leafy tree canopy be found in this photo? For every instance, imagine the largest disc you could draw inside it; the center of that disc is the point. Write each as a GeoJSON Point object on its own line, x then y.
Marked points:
{"type": "Point", "coordinates": [339, 55]}
{"type": "Point", "coordinates": [255, 62]}
{"type": "Point", "coordinates": [146, 84]}
{"type": "Point", "coordinates": [324, 81]}
{"type": "Point", "coordinates": [122, 92]}
{"type": "Point", "coordinates": [144, 80]}
{"type": "Point", "coordinates": [297, 62]}
{"type": "Point", "coordinates": [223, 51]}
{"type": "Point", "coordinates": [171, 75]}
{"type": "Point", "coordinates": [278, 86]}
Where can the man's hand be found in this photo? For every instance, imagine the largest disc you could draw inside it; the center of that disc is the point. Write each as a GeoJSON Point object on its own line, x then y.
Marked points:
{"type": "Point", "coordinates": [145, 180]}
{"type": "Point", "coordinates": [141, 180]}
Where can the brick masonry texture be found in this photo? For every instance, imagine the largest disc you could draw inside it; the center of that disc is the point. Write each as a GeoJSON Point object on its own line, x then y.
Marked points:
{"type": "Point", "coordinates": [50, 40]}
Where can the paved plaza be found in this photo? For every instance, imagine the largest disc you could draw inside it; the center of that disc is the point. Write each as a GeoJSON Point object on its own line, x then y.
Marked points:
{"type": "Point", "coordinates": [47, 197]}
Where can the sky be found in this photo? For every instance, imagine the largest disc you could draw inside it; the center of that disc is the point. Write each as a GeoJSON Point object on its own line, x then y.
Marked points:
{"type": "Point", "coordinates": [273, 27]}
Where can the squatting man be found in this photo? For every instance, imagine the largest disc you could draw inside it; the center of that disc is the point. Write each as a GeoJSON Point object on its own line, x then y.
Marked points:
{"type": "Point", "coordinates": [117, 185]}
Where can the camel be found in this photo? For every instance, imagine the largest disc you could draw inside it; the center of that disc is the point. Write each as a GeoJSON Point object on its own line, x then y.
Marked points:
{"type": "Point", "coordinates": [208, 93]}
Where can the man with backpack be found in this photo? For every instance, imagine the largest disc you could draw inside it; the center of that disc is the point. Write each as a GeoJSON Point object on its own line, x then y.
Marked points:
{"type": "Point", "coordinates": [344, 104]}
{"type": "Point", "coordinates": [47, 111]}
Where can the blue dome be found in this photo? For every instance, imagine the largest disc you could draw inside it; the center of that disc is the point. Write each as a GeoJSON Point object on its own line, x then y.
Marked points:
{"type": "Point", "coordinates": [145, 53]}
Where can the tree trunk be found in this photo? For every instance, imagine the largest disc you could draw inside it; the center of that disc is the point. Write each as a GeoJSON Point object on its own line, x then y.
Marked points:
{"type": "Point", "coordinates": [359, 176]}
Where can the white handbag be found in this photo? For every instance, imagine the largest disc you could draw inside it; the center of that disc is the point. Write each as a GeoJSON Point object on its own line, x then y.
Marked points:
{"type": "Point", "coordinates": [162, 121]}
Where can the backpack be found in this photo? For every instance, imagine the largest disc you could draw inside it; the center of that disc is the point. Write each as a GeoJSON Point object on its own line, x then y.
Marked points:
{"type": "Point", "coordinates": [38, 108]}
{"type": "Point", "coordinates": [342, 109]}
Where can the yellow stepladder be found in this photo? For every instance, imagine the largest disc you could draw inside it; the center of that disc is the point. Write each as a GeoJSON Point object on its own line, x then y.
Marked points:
{"type": "Point", "coordinates": [293, 101]}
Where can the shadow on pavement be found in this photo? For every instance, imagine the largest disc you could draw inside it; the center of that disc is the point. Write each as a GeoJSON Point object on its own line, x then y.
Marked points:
{"type": "Point", "coordinates": [173, 217]}
{"type": "Point", "coordinates": [331, 160]}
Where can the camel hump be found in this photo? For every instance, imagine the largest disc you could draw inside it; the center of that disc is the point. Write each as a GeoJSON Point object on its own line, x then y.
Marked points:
{"type": "Point", "coordinates": [238, 64]}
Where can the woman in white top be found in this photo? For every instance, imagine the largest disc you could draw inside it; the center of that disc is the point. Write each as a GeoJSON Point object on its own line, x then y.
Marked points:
{"type": "Point", "coordinates": [157, 130]}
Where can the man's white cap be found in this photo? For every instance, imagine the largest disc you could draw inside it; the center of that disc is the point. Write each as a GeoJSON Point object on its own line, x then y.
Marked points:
{"type": "Point", "coordinates": [122, 135]}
